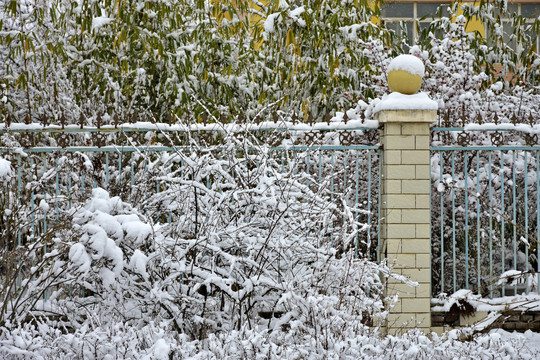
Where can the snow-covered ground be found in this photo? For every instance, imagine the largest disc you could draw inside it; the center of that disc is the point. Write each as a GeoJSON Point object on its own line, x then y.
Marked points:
{"type": "Point", "coordinates": [532, 339]}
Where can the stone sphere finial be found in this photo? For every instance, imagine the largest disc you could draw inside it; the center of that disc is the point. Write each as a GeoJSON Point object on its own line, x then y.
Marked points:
{"type": "Point", "coordinates": [405, 74]}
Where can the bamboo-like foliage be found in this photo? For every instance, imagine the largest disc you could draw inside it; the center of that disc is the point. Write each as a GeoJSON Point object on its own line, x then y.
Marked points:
{"type": "Point", "coordinates": [134, 60]}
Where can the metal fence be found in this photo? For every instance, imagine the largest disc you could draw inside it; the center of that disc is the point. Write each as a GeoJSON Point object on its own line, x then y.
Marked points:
{"type": "Point", "coordinates": [485, 186]}
{"type": "Point", "coordinates": [56, 167]}
{"type": "Point", "coordinates": [485, 211]}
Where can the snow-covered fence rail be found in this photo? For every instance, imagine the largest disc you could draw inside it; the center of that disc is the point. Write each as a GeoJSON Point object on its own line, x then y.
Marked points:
{"type": "Point", "coordinates": [485, 210]}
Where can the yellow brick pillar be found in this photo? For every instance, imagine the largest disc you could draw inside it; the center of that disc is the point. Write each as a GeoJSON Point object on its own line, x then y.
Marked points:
{"type": "Point", "coordinates": [405, 137]}
{"type": "Point", "coordinates": [405, 117]}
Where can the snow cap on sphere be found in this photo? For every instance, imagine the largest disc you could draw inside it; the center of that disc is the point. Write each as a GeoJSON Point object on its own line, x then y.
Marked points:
{"type": "Point", "coordinates": [408, 63]}
{"type": "Point", "coordinates": [405, 74]}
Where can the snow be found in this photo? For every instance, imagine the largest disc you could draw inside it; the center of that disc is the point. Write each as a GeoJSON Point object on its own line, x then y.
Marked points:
{"type": "Point", "coordinates": [532, 339]}
{"type": "Point", "coordinates": [100, 21]}
{"type": "Point", "coordinates": [110, 224]}
{"type": "Point", "coordinates": [336, 123]}
{"type": "Point", "coordinates": [296, 14]}
{"type": "Point", "coordinates": [143, 253]}
{"type": "Point", "coordinates": [408, 63]}
{"type": "Point", "coordinates": [79, 256]}
{"type": "Point", "coordinates": [101, 201]}
{"type": "Point", "coordinates": [136, 231]}
{"type": "Point", "coordinates": [525, 302]}
{"type": "Point", "coordinates": [398, 101]}
{"type": "Point", "coordinates": [6, 173]}
{"type": "Point", "coordinates": [141, 269]}
{"type": "Point", "coordinates": [107, 276]}
{"type": "Point", "coordinates": [44, 206]}
{"type": "Point", "coordinates": [161, 350]}
{"type": "Point", "coordinates": [270, 23]}
{"type": "Point", "coordinates": [138, 263]}
{"type": "Point", "coordinates": [96, 238]}
{"type": "Point", "coordinates": [489, 126]}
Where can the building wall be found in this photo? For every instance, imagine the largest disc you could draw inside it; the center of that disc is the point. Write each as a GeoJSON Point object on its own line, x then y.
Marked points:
{"type": "Point", "coordinates": [415, 15]}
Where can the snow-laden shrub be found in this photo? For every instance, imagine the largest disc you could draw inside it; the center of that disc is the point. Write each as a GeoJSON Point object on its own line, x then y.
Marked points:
{"type": "Point", "coordinates": [477, 79]}
{"type": "Point", "coordinates": [154, 341]}
{"type": "Point", "coordinates": [235, 239]}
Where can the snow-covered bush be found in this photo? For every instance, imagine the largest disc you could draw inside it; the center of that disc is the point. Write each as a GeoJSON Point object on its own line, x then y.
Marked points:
{"type": "Point", "coordinates": [235, 238]}
{"type": "Point", "coordinates": [477, 78]}
{"type": "Point", "coordinates": [154, 341]}
{"type": "Point", "coordinates": [237, 255]}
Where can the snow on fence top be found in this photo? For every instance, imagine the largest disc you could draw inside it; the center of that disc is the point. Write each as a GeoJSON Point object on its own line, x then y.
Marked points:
{"type": "Point", "coordinates": [336, 123]}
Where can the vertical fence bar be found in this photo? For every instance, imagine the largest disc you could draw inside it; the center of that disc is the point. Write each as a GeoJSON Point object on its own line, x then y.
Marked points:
{"type": "Point", "coordinates": [307, 173]}
{"type": "Point", "coordinates": [503, 237]}
{"type": "Point", "coordinates": [132, 171]}
{"type": "Point", "coordinates": [120, 168]}
{"type": "Point", "coordinates": [45, 223]}
{"type": "Point", "coordinates": [379, 207]}
{"type": "Point", "coordinates": [478, 281]}
{"type": "Point", "coordinates": [32, 204]}
{"type": "Point", "coordinates": [70, 290]}
{"type": "Point", "coordinates": [356, 205]}
{"type": "Point", "coordinates": [332, 195]}
{"type": "Point", "coordinates": [319, 179]}
{"type": "Point", "coordinates": [307, 168]}
{"type": "Point", "coordinates": [538, 221]}
{"type": "Point", "coordinates": [369, 206]}
{"type": "Point", "coordinates": [19, 231]}
{"type": "Point", "coordinates": [295, 162]}
{"type": "Point", "coordinates": [107, 170]}
{"type": "Point", "coordinates": [57, 190]}
{"type": "Point", "coordinates": [452, 194]}
{"type": "Point", "coordinates": [514, 214]}
{"type": "Point", "coordinates": [490, 194]}
{"type": "Point", "coordinates": [45, 169]}
{"type": "Point", "coordinates": [441, 164]}
{"type": "Point", "coordinates": [526, 235]}
{"type": "Point", "coordinates": [466, 175]}
{"type": "Point", "coordinates": [345, 161]}
{"type": "Point", "coordinates": [19, 186]}
{"type": "Point", "coordinates": [345, 173]}
{"type": "Point", "coordinates": [320, 166]}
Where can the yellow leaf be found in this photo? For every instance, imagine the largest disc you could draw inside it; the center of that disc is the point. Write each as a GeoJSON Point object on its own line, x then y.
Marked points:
{"type": "Point", "coordinates": [290, 38]}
